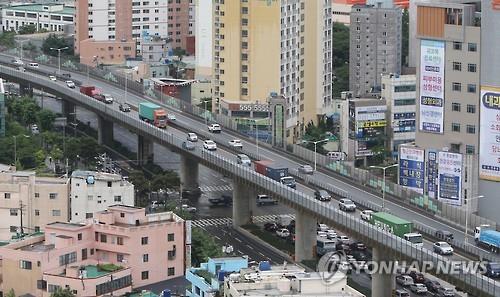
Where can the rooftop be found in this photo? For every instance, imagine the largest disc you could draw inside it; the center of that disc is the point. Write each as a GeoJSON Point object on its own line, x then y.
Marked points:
{"type": "Point", "coordinates": [66, 225]}
{"type": "Point", "coordinates": [40, 8]}
{"type": "Point", "coordinates": [38, 247]}
{"type": "Point", "coordinates": [83, 174]}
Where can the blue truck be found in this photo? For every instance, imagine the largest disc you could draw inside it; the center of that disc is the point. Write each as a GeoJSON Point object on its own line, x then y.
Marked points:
{"type": "Point", "coordinates": [487, 237]}
{"type": "Point", "coordinates": [275, 171]}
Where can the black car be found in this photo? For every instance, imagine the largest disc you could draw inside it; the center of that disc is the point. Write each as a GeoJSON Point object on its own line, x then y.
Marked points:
{"type": "Point", "coordinates": [417, 277]}
{"type": "Point", "coordinates": [322, 195]}
{"type": "Point", "coordinates": [357, 246]}
{"type": "Point", "coordinates": [444, 235]}
{"type": "Point", "coordinates": [196, 192]}
{"type": "Point", "coordinates": [271, 227]}
{"type": "Point", "coordinates": [432, 285]}
{"type": "Point", "coordinates": [124, 107]}
{"type": "Point", "coordinates": [67, 75]}
{"type": "Point", "coordinates": [359, 256]}
{"type": "Point", "coordinates": [224, 200]}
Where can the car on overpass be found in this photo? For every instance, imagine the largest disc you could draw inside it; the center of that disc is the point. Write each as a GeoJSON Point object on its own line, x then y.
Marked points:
{"type": "Point", "coordinates": [70, 84]}
{"type": "Point", "coordinates": [214, 128]}
{"type": "Point", "coordinates": [188, 145]}
{"type": "Point", "coordinates": [418, 288]}
{"type": "Point", "coordinates": [236, 143]}
{"type": "Point", "coordinates": [192, 137]}
{"type": "Point", "coordinates": [124, 107]}
{"type": "Point", "coordinates": [209, 145]}
{"type": "Point", "coordinates": [322, 195]}
{"type": "Point", "coordinates": [404, 280]}
{"type": "Point", "coordinates": [443, 248]}
{"type": "Point", "coordinates": [52, 78]}
{"type": "Point", "coordinates": [347, 205]}
{"type": "Point", "coordinates": [243, 159]}
{"type": "Point", "coordinates": [444, 235]}
{"type": "Point", "coordinates": [305, 169]}
{"type": "Point", "coordinates": [445, 292]}
{"type": "Point", "coordinates": [366, 215]}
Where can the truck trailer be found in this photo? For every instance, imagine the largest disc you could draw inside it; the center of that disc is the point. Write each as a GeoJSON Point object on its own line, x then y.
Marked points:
{"type": "Point", "coordinates": [275, 172]}
{"type": "Point", "coordinates": [153, 114]}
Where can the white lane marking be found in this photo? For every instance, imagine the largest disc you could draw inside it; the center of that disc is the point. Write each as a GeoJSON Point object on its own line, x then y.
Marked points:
{"type": "Point", "coordinates": [237, 239]}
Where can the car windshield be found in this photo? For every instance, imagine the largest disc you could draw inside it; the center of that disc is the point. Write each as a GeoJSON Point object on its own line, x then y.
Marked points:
{"type": "Point", "coordinates": [323, 193]}
{"type": "Point", "coordinates": [347, 201]}
{"type": "Point", "coordinates": [444, 244]}
{"type": "Point", "coordinates": [209, 142]}
{"type": "Point", "coordinates": [162, 117]}
{"type": "Point", "coordinates": [244, 158]}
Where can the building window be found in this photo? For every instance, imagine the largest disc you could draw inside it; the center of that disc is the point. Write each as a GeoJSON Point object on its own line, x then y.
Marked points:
{"type": "Point", "coordinates": [110, 184]}
{"type": "Point", "coordinates": [6, 195]}
{"type": "Point", "coordinates": [80, 236]}
{"type": "Point", "coordinates": [56, 213]}
{"type": "Point", "coordinates": [119, 240]}
{"type": "Point", "coordinates": [471, 88]}
{"type": "Point", "coordinates": [118, 198]}
{"type": "Point", "coordinates": [471, 108]}
{"type": "Point", "coordinates": [37, 212]}
{"type": "Point", "coordinates": [13, 229]}
{"type": "Point", "coordinates": [456, 86]}
{"type": "Point", "coordinates": [119, 258]}
{"type": "Point", "coordinates": [145, 258]}
{"type": "Point", "coordinates": [472, 47]}
{"type": "Point", "coordinates": [145, 275]}
{"type": "Point", "coordinates": [457, 45]}
{"type": "Point", "coordinates": [89, 215]}
{"type": "Point", "coordinates": [455, 127]}
{"type": "Point", "coordinates": [37, 195]}
{"type": "Point", "coordinates": [25, 264]}
{"type": "Point", "coordinates": [171, 237]}
{"type": "Point", "coordinates": [67, 259]}
{"type": "Point", "coordinates": [52, 195]}
{"type": "Point", "coordinates": [84, 254]}
{"type": "Point", "coordinates": [13, 211]}
{"type": "Point", "coordinates": [455, 107]}
{"type": "Point", "coordinates": [122, 215]}
{"type": "Point", "coordinates": [104, 238]}
{"type": "Point", "coordinates": [470, 149]}
{"type": "Point", "coordinates": [457, 66]}
{"type": "Point", "coordinates": [144, 240]}
{"type": "Point", "coordinates": [471, 129]}
{"type": "Point", "coordinates": [171, 271]}
{"type": "Point", "coordinates": [471, 67]}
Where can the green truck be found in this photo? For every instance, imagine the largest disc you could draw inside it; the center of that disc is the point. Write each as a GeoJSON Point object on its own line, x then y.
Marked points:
{"type": "Point", "coordinates": [393, 224]}
{"type": "Point", "coordinates": [153, 114]}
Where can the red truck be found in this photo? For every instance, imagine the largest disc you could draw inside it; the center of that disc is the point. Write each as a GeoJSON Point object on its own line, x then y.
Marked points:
{"type": "Point", "coordinates": [93, 92]}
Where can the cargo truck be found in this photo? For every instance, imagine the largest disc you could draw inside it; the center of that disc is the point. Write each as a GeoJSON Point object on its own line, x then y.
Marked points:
{"type": "Point", "coordinates": [153, 114]}
{"type": "Point", "coordinates": [275, 171]}
{"type": "Point", "coordinates": [487, 237]}
{"type": "Point", "coordinates": [93, 92]}
{"type": "Point", "coordinates": [391, 223]}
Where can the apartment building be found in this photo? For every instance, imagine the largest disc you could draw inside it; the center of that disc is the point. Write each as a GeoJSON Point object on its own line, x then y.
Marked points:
{"type": "Point", "coordinates": [375, 46]}
{"type": "Point", "coordinates": [50, 16]}
{"type": "Point", "coordinates": [341, 12]}
{"type": "Point", "coordinates": [114, 30]}
{"type": "Point", "coordinates": [399, 92]}
{"type": "Point", "coordinates": [92, 192]}
{"type": "Point", "coordinates": [122, 249]}
{"type": "Point", "coordinates": [34, 201]}
{"type": "Point", "coordinates": [203, 32]}
{"type": "Point", "coordinates": [180, 24]}
{"type": "Point", "coordinates": [2, 109]}
{"type": "Point", "coordinates": [263, 47]}
{"type": "Point", "coordinates": [390, 3]}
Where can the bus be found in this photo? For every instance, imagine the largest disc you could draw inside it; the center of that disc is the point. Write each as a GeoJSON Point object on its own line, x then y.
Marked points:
{"type": "Point", "coordinates": [414, 238]}
{"type": "Point", "coordinates": [324, 245]}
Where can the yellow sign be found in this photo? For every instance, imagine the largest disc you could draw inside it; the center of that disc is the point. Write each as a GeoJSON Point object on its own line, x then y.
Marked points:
{"type": "Point", "coordinates": [371, 124]}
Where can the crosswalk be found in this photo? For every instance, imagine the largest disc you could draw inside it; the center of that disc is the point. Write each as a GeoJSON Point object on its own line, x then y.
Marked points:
{"type": "Point", "coordinates": [217, 188]}
{"type": "Point", "coordinates": [229, 221]}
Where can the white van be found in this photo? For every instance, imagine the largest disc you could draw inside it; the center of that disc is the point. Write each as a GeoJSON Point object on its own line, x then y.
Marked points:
{"type": "Point", "coordinates": [265, 200]}
{"type": "Point", "coordinates": [33, 65]}
{"type": "Point", "coordinates": [336, 156]}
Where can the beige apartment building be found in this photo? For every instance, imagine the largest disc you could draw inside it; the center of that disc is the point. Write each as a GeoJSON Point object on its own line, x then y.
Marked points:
{"type": "Point", "coordinates": [36, 201]}
{"type": "Point", "coordinates": [263, 47]}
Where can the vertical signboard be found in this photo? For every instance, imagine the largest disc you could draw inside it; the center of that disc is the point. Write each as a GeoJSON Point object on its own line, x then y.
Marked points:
{"type": "Point", "coordinates": [411, 168]}
{"type": "Point", "coordinates": [431, 86]}
{"type": "Point", "coordinates": [450, 178]}
{"type": "Point", "coordinates": [489, 137]}
{"type": "Point", "coordinates": [432, 169]}
{"type": "Point", "coordinates": [369, 128]}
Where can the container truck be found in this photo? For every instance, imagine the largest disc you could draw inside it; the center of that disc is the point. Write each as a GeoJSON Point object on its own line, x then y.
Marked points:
{"type": "Point", "coordinates": [153, 114]}
{"type": "Point", "coordinates": [275, 171]}
{"type": "Point", "coordinates": [487, 237]}
{"type": "Point", "coordinates": [93, 92]}
{"type": "Point", "coordinates": [391, 223]}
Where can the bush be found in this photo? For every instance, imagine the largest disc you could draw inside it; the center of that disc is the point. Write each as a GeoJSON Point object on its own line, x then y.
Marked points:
{"type": "Point", "coordinates": [109, 267]}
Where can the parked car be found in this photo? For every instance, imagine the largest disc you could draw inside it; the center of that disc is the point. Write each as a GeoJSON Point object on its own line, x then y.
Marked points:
{"type": "Point", "coordinates": [188, 145]}
{"type": "Point", "coordinates": [265, 200]}
{"type": "Point", "coordinates": [124, 107]}
{"type": "Point", "coordinates": [366, 215]}
{"type": "Point", "coordinates": [192, 137]}
{"type": "Point", "coordinates": [283, 233]}
{"type": "Point", "coordinates": [271, 227]}
{"type": "Point", "coordinates": [401, 293]}
{"type": "Point", "coordinates": [432, 285]}
{"type": "Point", "coordinates": [347, 205]}
{"type": "Point", "coordinates": [445, 292]}
{"type": "Point", "coordinates": [209, 145]}
{"type": "Point", "coordinates": [171, 117]}
{"type": "Point", "coordinates": [187, 208]}
{"type": "Point", "coordinates": [444, 235]}
{"type": "Point", "coordinates": [417, 277]}
{"type": "Point", "coordinates": [443, 248]}
{"type": "Point", "coordinates": [306, 169]}
{"type": "Point", "coordinates": [243, 159]}
{"type": "Point", "coordinates": [52, 78]}
{"type": "Point", "coordinates": [404, 280]}
{"type": "Point", "coordinates": [236, 143]}
{"type": "Point", "coordinates": [214, 128]}
{"type": "Point", "coordinates": [418, 288]}
{"type": "Point", "coordinates": [322, 195]}
{"type": "Point", "coordinates": [70, 84]}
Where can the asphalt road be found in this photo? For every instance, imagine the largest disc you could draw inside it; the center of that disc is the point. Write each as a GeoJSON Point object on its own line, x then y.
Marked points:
{"type": "Point", "coordinates": [356, 191]}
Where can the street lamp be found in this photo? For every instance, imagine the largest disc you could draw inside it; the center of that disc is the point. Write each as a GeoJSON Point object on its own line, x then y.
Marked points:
{"type": "Point", "coordinates": [59, 55]}
{"type": "Point", "coordinates": [467, 214]}
{"type": "Point", "coordinates": [206, 110]}
{"type": "Point", "coordinates": [315, 146]}
{"type": "Point", "coordinates": [21, 42]}
{"type": "Point", "coordinates": [383, 189]}
{"type": "Point", "coordinates": [15, 148]}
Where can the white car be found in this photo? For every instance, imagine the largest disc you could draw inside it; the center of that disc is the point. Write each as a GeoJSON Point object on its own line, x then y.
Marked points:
{"type": "Point", "coordinates": [52, 78]}
{"type": "Point", "coordinates": [243, 159]}
{"type": "Point", "coordinates": [187, 208]}
{"type": "Point", "coordinates": [321, 234]}
{"type": "Point", "coordinates": [322, 227]}
{"type": "Point", "coordinates": [34, 129]}
{"type": "Point", "coordinates": [443, 248]}
{"type": "Point", "coordinates": [171, 117]}
{"type": "Point", "coordinates": [330, 234]}
{"type": "Point", "coordinates": [306, 169]}
{"type": "Point", "coordinates": [283, 233]}
{"type": "Point", "coordinates": [108, 99]}
{"type": "Point", "coordinates": [18, 62]}
{"type": "Point", "coordinates": [236, 143]}
{"type": "Point", "coordinates": [209, 145]}
{"type": "Point", "coordinates": [366, 215]}
{"type": "Point", "coordinates": [418, 288]}
{"type": "Point", "coordinates": [343, 238]}
{"type": "Point", "coordinates": [214, 128]}
{"type": "Point", "coordinates": [70, 84]}
{"type": "Point", "coordinates": [347, 205]}
{"type": "Point", "coordinates": [192, 137]}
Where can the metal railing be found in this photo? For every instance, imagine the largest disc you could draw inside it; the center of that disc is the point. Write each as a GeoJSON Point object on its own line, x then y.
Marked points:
{"type": "Point", "coordinates": [400, 248]}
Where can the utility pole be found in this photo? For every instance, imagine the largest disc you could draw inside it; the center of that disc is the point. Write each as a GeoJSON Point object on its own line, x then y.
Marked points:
{"type": "Point", "coordinates": [21, 208]}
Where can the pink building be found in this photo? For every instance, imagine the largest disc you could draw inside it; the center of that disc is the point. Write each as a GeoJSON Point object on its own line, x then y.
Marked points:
{"type": "Point", "coordinates": [120, 249]}
{"type": "Point", "coordinates": [180, 25]}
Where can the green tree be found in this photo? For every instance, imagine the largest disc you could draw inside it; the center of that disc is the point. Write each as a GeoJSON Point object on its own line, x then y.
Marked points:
{"type": "Point", "coordinates": [169, 179]}
{"type": "Point", "coordinates": [45, 119]}
{"type": "Point", "coordinates": [27, 29]}
{"type": "Point", "coordinates": [203, 247]}
{"type": "Point", "coordinates": [179, 52]}
{"type": "Point", "coordinates": [40, 158]}
{"type": "Point", "coordinates": [341, 80]}
{"type": "Point", "coordinates": [340, 46]}
{"type": "Point", "coordinates": [405, 31]}
{"type": "Point", "coordinates": [62, 293]}
{"type": "Point", "coordinates": [56, 153]}
{"type": "Point", "coordinates": [11, 293]}
{"type": "Point", "coordinates": [7, 39]}
{"type": "Point", "coordinates": [53, 41]}
{"type": "Point", "coordinates": [139, 181]}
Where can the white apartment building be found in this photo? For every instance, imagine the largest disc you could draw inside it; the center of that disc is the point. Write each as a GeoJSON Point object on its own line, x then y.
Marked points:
{"type": "Point", "coordinates": [203, 39]}
{"type": "Point", "coordinates": [92, 192]}
{"type": "Point", "coordinates": [51, 17]}
{"type": "Point", "coordinates": [399, 92]}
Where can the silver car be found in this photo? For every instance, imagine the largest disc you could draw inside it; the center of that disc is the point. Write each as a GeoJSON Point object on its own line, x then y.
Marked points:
{"type": "Point", "coordinates": [306, 169]}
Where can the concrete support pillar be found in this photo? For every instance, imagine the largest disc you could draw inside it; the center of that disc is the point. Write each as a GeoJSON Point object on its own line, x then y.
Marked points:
{"type": "Point", "coordinates": [305, 236]}
{"type": "Point", "coordinates": [144, 150]}
{"type": "Point", "coordinates": [242, 198]}
{"type": "Point", "coordinates": [25, 90]}
{"type": "Point", "coordinates": [68, 111]}
{"type": "Point", "coordinates": [382, 284]}
{"type": "Point", "coordinates": [189, 175]}
{"type": "Point", "coordinates": [104, 131]}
